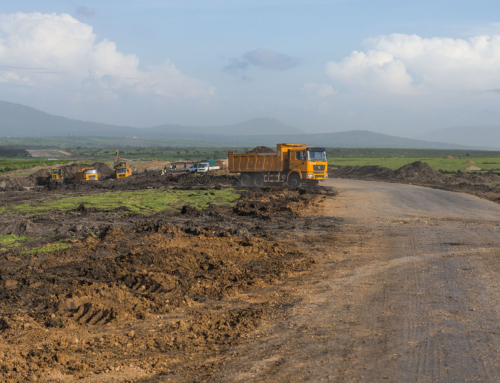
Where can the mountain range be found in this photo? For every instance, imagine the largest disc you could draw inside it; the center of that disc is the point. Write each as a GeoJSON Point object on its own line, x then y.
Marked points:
{"type": "Point", "coordinates": [22, 121]}
{"type": "Point", "coordinates": [488, 136]}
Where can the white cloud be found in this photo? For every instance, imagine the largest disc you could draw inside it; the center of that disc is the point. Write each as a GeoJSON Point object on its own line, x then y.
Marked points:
{"type": "Point", "coordinates": [411, 64]}
{"type": "Point", "coordinates": [13, 77]}
{"type": "Point", "coordinates": [54, 50]}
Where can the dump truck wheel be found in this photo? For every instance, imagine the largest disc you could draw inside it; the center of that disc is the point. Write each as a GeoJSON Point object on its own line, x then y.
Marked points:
{"type": "Point", "coordinates": [294, 181]}
{"type": "Point", "coordinates": [245, 180]}
{"type": "Point", "coordinates": [258, 181]}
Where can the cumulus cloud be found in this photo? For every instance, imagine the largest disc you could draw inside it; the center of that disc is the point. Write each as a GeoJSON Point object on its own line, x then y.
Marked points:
{"type": "Point", "coordinates": [51, 50]}
{"type": "Point", "coordinates": [263, 58]}
{"type": "Point", "coordinates": [401, 63]}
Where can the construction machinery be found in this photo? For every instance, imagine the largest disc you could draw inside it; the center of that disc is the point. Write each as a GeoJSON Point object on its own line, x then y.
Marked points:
{"type": "Point", "coordinates": [89, 173]}
{"type": "Point", "coordinates": [291, 164]}
{"type": "Point", "coordinates": [56, 175]}
{"type": "Point", "coordinates": [123, 171]}
{"type": "Point", "coordinates": [121, 168]}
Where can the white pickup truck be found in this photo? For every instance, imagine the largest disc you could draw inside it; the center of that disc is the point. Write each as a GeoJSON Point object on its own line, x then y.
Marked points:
{"type": "Point", "coordinates": [193, 169]}
{"type": "Point", "coordinates": [204, 167]}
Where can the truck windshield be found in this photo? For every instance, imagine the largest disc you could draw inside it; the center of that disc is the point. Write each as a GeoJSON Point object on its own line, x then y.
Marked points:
{"type": "Point", "coordinates": [316, 154]}
{"type": "Point", "coordinates": [90, 171]}
{"type": "Point", "coordinates": [121, 170]}
{"type": "Point", "coordinates": [202, 166]}
{"type": "Point", "coordinates": [55, 171]}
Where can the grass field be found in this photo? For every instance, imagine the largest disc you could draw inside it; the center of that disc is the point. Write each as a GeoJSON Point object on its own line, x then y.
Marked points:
{"type": "Point", "coordinates": [436, 163]}
{"type": "Point", "coordinates": [9, 164]}
{"type": "Point", "coordinates": [141, 202]}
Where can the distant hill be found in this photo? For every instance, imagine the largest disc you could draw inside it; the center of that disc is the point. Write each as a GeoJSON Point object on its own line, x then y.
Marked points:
{"type": "Point", "coordinates": [485, 136]}
{"type": "Point", "coordinates": [22, 121]}
{"type": "Point", "coordinates": [349, 139]}
{"type": "Point", "coordinates": [255, 127]}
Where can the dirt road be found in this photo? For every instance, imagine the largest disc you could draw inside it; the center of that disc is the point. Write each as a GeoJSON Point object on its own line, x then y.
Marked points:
{"type": "Point", "coordinates": [408, 291]}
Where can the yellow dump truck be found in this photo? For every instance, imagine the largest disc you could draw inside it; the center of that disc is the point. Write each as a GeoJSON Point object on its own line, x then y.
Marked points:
{"type": "Point", "coordinates": [90, 174]}
{"type": "Point", "coordinates": [123, 171]}
{"type": "Point", "coordinates": [56, 175]}
{"type": "Point", "coordinates": [291, 164]}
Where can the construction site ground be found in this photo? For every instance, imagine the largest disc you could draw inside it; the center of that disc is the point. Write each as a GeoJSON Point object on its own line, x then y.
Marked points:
{"type": "Point", "coordinates": [354, 281]}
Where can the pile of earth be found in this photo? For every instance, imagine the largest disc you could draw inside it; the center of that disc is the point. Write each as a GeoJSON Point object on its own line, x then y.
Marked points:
{"type": "Point", "coordinates": [264, 201]}
{"type": "Point", "coordinates": [414, 172]}
{"type": "Point", "coordinates": [15, 184]}
{"type": "Point", "coordinates": [419, 172]}
{"type": "Point", "coordinates": [262, 149]}
{"type": "Point", "coordinates": [469, 162]}
{"type": "Point", "coordinates": [41, 177]}
{"type": "Point", "coordinates": [475, 177]}
{"type": "Point", "coordinates": [365, 172]}
{"type": "Point", "coordinates": [20, 227]}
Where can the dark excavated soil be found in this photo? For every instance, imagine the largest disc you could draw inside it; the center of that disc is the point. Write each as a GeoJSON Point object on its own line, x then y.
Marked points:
{"type": "Point", "coordinates": [140, 298]}
{"type": "Point", "coordinates": [262, 149]}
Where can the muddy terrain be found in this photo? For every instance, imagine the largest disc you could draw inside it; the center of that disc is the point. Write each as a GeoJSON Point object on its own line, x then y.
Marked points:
{"type": "Point", "coordinates": [483, 184]}
{"type": "Point", "coordinates": [148, 298]}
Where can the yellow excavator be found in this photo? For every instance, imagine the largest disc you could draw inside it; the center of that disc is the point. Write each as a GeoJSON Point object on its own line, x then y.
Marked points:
{"type": "Point", "coordinates": [121, 168]}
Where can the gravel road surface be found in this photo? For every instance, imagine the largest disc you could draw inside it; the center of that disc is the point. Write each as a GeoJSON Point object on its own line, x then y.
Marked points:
{"type": "Point", "coordinates": [408, 291]}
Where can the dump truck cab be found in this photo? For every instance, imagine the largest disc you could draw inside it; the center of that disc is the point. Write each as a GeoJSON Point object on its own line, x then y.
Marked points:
{"type": "Point", "coordinates": [56, 174]}
{"type": "Point", "coordinates": [123, 172]}
{"type": "Point", "coordinates": [89, 174]}
{"type": "Point", "coordinates": [121, 164]}
{"type": "Point", "coordinates": [306, 164]}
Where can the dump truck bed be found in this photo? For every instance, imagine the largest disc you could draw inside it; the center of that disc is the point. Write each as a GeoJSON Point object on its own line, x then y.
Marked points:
{"type": "Point", "coordinates": [255, 162]}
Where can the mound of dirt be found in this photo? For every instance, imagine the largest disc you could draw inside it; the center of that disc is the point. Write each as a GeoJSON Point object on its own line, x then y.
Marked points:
{"type": "Point", "coordinates": [15, 184]}
{"type": "Point", "coordinates": [69, 171]}
{"type": "Point", "coordinates": [262, 149]}
{"type": "Point", "coordinates": [22, 227]}
{"type": "Point", "coordinates": [448, 158]}
{"type": "Point", "coordinates": [469, 162]}
{"type": "Point", "coordinates": [419, 171]}
{"type": "Point", "coordinates": [415, 172]}
{"type": "Point", "coordinates": [472, 168]}
{"type": "Point", "coordinates": [369, 171]}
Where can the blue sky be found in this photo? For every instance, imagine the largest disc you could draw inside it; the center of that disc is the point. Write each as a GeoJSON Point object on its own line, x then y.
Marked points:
{"type": "Point", "coordinates": [396, 67]}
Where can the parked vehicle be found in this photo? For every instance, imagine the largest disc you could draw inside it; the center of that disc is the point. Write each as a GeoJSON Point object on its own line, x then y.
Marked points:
{"type": "Point", "coordinates": [193, 168]}
{"type": "Point", "coordinates": [206, 166]}
{"type": "Point", "coordinates": [291, 164]}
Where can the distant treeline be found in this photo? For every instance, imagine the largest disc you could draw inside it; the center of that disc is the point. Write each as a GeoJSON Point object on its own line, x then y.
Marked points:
{"type": "Point", "coordinates": [409, 153]}
{"type": "Point", "coordinates": [13, 152]}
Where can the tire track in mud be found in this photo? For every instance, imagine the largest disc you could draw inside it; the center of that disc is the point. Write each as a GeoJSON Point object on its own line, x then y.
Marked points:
{"type": "Point", "coordinates": [404, 302]}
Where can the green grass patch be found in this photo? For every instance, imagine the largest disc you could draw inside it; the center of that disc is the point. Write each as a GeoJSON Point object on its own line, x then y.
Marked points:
{"type": "Point", "coordinates": [436, 163]}
{"type": "Point", "coordinates": [11, 240]}
{"type": "Point", "coordinates": [8, 165]}
{"type": "Point", "coordinates": [52, 247]}
{"type": "Point", "coordinates": [142, 202]}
